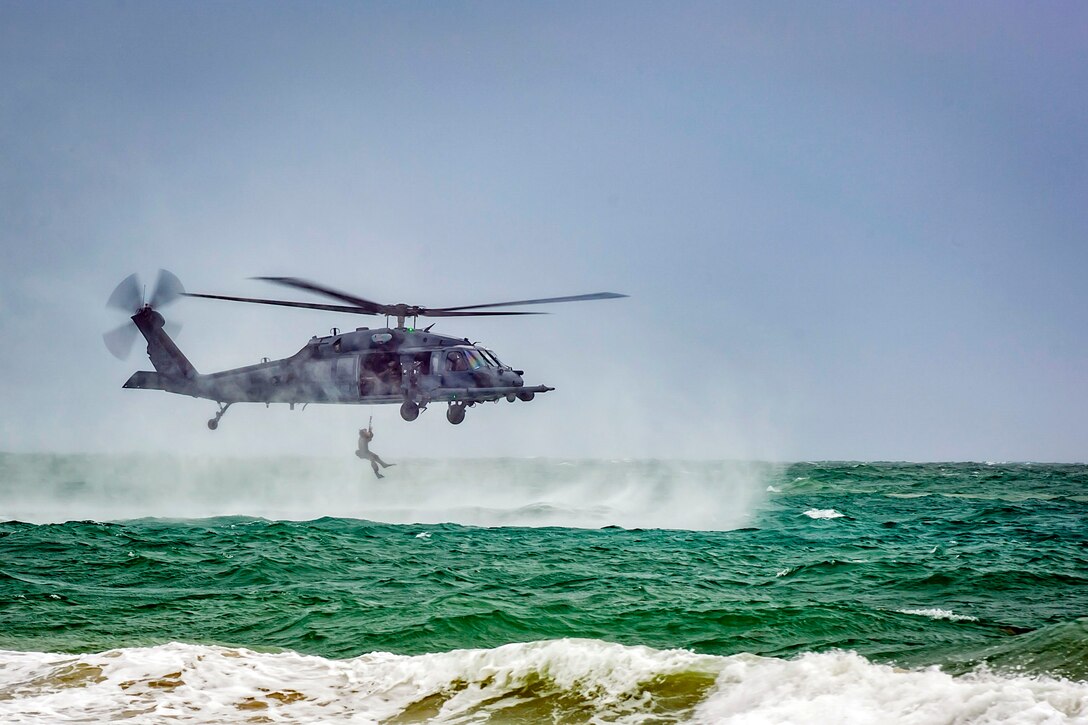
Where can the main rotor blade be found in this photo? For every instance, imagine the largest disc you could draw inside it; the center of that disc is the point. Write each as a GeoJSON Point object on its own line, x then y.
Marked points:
{"type": "Point", "coordinates": [352, 310]}
{"type": "Point", "coordinates": [459, 313]}
{"type": "Point", "coordinates": [541, 301]}
{"type": "Point", "coordinates": [120, 339]}
{"type": "Point", "coordinates": [127, 296]}
{"type": "Point", "coordinates": [283, 303]}
{"type": "Point", "coordinates": [167, 289]}
{"type": "Point", "coordinates": [303, 284]}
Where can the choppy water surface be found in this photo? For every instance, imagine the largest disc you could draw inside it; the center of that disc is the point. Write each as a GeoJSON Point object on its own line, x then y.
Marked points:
{"type": "Point", "coordinates": [814, 592]}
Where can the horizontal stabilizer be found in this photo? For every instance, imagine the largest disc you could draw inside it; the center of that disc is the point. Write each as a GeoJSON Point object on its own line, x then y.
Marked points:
{"type": "Point", "coordinates": [147, 380]}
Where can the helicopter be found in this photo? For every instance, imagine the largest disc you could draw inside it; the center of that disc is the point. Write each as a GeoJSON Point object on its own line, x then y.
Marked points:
{"type": "Point", "coordinates": [402, 364]}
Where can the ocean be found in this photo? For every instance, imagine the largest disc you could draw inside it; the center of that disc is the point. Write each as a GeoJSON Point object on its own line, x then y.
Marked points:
{"type": "Point", "coordinates": [163, 589]}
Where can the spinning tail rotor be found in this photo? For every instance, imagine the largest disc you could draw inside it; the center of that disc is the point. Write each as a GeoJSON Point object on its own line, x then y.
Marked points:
{"type": "Point", "coordinates": [129, 297]}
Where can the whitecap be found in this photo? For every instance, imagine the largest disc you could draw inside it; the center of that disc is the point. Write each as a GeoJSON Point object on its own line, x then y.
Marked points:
{"type": "Point", "coordinates": [939, 614]}
{"type": "Point", "coordinates": [823, 514]}
{"type": "Point", "coordinates": [772, 489]}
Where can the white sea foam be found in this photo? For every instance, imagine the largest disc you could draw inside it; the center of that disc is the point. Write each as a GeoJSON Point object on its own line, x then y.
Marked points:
{"type": "Point", "coordinates": [557, 680]}
{"type": "Point", "coordinates": [939, 614]}
{"type": "Point", "coordinates": [842, 687]}
{"type": "Point", "coordinates": [823, 514]}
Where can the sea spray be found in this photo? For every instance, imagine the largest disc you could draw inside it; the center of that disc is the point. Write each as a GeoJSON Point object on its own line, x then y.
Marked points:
{"type": "Point", "coordinates": [502, 492]}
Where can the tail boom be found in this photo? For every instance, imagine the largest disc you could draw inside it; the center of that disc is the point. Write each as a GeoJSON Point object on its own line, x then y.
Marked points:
{"type": "Point", "coordinates": [165, 356]}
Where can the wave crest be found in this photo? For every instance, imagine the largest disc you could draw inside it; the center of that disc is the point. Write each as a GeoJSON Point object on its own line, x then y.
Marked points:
{"type": "Point", "coordinates": [823, 514]}
{"type": "Point", "coordinates": [562, 680]}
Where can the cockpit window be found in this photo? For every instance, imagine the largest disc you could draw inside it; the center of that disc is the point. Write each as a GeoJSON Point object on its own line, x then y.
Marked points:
{"type": "Point", "coordinates": [492, 357]}
{"type": "Point", "coordinates": [476, 360]}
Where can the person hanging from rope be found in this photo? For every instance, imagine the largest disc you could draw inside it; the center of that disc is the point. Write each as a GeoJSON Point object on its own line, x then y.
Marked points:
{"type": "Point", "coordinates": [365, 436]}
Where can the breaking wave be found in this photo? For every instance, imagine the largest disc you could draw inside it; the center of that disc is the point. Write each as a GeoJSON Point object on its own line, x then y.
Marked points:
{"type": "Point", "coordinates": [555, 680]}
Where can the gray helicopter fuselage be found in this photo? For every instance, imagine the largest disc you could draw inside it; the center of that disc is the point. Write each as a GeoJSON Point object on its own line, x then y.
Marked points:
{"type": "Point", "coordinates": [365, 366]}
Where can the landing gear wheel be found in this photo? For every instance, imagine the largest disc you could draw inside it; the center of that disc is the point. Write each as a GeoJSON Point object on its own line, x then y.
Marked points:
{"type": "Point", "coordinates": [526, 395]}
{"type": "Point", "coordinates": [409, 410]}
{"type": "Point", "coordinates": [213, 423]}
{"type": "Point", "coordinates": [455, 414]}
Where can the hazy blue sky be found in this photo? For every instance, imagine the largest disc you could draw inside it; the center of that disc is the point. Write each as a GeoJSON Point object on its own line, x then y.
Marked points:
{"type": "Point", "coordinates": [850, 230]}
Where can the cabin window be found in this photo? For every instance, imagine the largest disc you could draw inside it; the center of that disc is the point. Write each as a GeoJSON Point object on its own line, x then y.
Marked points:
{"type": "Point", "coordinates": [456, 361]}
{"type": "Point", "coordinates": [345, 367]}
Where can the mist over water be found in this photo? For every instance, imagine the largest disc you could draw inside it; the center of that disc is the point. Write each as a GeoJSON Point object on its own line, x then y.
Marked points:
{"type": "Point", "coordinates": [695, 495]}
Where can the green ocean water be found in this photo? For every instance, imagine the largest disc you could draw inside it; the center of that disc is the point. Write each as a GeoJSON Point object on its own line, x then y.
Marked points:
{"type": "Point", "coordinates": [954, 565]}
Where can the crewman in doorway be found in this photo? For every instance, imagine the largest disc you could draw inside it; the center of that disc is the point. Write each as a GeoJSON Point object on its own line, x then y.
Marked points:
{"type": "Point", "coordinates": [365, 436]}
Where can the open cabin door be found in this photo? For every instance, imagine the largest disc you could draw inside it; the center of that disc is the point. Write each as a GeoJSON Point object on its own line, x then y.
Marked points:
{"type": "Point", "coordinates": [379, 374]}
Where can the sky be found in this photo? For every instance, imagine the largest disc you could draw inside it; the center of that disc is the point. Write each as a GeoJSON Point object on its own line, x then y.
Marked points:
{"type": "Point", "coordinates": [849, 231]}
